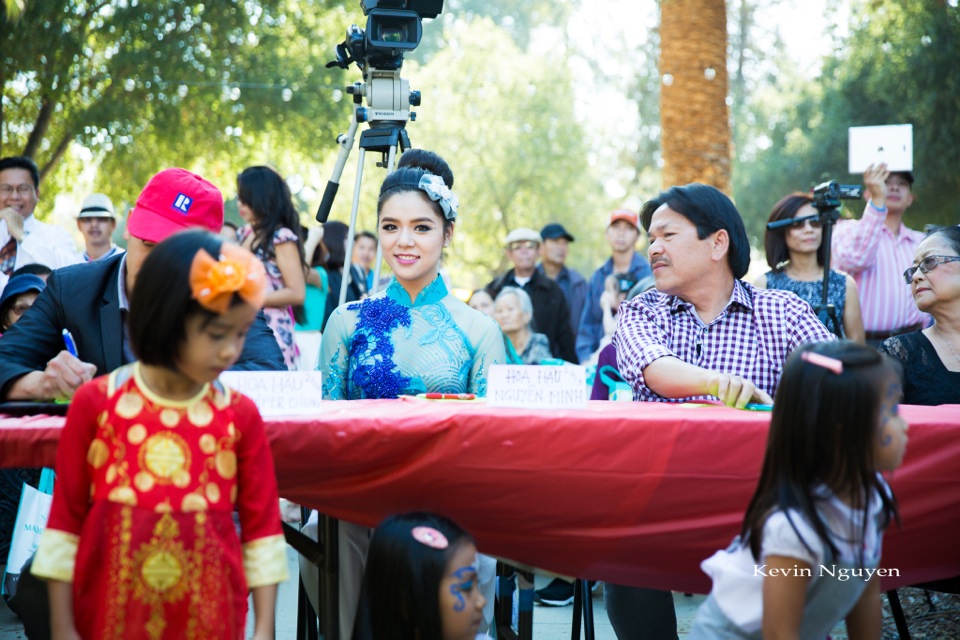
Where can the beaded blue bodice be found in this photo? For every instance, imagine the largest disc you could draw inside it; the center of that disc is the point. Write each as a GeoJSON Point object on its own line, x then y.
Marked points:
{"type": "Point", "coordinates": [386, 346]}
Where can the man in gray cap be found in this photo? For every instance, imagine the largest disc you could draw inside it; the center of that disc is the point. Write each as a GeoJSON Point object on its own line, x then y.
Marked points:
{"type": "Point", "coordinates": [97, 222]}
{"type": "Point", "coordinates": [551, 315]}
{"type": "Point", "coordinates": [553, 258]}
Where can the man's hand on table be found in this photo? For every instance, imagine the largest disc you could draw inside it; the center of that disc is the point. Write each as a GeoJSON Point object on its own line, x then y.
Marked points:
{"type": "Point", "coordinates": [59, 381]}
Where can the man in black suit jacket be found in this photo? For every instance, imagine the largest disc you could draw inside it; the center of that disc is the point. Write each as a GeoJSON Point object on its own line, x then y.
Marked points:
{"type": "Point", "coordinates": [90, 300]}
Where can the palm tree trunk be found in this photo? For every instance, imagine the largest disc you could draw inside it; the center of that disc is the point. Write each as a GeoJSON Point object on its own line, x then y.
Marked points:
{"type": "Point", "coordinates": [694, 115]}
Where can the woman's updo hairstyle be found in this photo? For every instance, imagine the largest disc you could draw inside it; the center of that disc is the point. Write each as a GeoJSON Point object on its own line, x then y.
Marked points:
{"type": "Point", "coordinates": [412, 166]}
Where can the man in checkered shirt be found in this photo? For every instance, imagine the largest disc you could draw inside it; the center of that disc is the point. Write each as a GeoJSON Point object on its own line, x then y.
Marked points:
{"type": "Point", "coordinates": [704, 333]}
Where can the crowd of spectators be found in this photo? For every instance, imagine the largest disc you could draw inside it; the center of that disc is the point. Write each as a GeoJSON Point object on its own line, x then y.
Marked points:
{"type": "Point", "coordinates": [678, 325]}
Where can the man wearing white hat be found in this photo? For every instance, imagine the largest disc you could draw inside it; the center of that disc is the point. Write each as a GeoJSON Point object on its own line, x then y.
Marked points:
{"type": "Point", "coordinates": [97, 222]}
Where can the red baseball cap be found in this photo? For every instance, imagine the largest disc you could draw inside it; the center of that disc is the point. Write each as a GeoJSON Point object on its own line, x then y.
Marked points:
{"type": "Point", "coordinates": [625, 214]}
{"type": "Point", "coordinates": [174, 200]}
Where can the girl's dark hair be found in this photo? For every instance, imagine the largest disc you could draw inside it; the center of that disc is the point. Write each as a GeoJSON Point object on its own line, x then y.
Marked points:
{"type": "Point", "coordinates": [775, 240]}
{"type": "Point", "coordinates": [709, 210]}
{"type": "Point", "coordinates": [412, 166]}
{"type": "Point", "coordinates": [822, 432]}
{"type": "Point", "coordinates": [267, 194]}
{"type": "Point", "coordinates": [335, 240]}
{"type": "Point", "coordinates": [950, 234]}
{"type": "Point", "coordinates": [162, 300]}
{"type": "Point", "coordinates": [399, 596]}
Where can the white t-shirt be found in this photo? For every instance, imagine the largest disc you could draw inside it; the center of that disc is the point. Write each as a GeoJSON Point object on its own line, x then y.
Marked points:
{"type": "Point", "coordinates": [738, 578]}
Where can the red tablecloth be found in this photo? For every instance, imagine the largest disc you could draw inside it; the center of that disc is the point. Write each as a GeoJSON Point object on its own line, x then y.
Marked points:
{"type": "Point", "coordinates": [634, 493]}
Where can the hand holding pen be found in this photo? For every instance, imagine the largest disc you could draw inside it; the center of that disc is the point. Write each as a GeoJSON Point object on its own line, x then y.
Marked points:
{"type": "Point", "coordinates": [66, 372]}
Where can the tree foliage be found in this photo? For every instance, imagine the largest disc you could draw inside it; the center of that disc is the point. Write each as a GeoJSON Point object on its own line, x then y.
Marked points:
{"type": "Point", "coordinates": [144, 85]}
{"type": "Point", "coordinates": [897, 65]}
{"type": "Point", "coordinates": [504, 120]}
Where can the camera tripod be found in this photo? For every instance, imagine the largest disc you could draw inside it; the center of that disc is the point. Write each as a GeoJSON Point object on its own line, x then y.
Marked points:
{"type": "Point", "coordinates": [386, 133]}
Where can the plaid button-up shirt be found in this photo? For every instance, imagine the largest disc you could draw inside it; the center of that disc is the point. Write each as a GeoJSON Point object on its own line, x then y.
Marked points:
{"type": "Point", "coordinates": [751, 337]}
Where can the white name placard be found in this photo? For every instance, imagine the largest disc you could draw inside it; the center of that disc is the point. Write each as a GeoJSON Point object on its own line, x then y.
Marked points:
{"type": "Point", "coordinates": [279, 393]}
{"type": "Point", "coordinates": [547, 387]}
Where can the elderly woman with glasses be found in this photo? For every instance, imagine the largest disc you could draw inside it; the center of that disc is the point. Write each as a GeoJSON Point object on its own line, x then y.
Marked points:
{"type": "Point", "coordinates": [931, 357]}
{"type": "Point", "coordinates": [796, 254]}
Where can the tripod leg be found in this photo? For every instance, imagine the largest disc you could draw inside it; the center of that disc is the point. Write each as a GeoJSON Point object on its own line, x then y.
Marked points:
{"type": "Point", "coordinates": [391, 165]}
{"type": "Point", "coordinates": [333, 184]}
{"type": "Point", "coordinates": [347, 262]}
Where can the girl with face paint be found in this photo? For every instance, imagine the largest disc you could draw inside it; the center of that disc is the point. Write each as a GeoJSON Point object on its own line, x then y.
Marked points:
{"type": "Point", "coordinates": [420, 582]}
{"type": "Point", "coordinates": [808, 554]}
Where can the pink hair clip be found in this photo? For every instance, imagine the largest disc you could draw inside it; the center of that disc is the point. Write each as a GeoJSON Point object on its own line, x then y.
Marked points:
{"type": "Point", "coordinates": [823, 361]}
{"type": "Point", "coordinates": [430, 537]}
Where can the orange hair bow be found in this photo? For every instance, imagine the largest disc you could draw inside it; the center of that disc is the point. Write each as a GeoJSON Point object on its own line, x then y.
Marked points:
{"type": "Point", "coordinates": [213, 282]}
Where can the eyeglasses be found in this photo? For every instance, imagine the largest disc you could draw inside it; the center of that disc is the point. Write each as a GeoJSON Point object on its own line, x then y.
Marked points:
{"type": "Point", "coordinates": [20, 309]}
{"type": "Point", "coordinates": [23, 189]}
{"type": "Point", "coordinates": [927, 265]}
{"type": "Point", "coordinates": [800, 222]}
{"type": "Point", "coordinates": [523, 244]}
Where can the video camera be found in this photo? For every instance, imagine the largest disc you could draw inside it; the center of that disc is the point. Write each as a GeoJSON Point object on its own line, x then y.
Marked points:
{"type": "Point", "coordinates": [828, 195]}
{"type": "Point", "coordinates": [393, 26]}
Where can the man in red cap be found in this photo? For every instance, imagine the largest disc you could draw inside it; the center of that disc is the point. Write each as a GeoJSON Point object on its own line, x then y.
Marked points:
{"type": "Point", "coordinates": [623, 231]}
{"type": "Point", "coordinates": [90, 300]}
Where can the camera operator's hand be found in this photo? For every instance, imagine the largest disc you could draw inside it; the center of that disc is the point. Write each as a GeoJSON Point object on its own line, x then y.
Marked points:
{"type": "Point", "coordinates": [875, 182]}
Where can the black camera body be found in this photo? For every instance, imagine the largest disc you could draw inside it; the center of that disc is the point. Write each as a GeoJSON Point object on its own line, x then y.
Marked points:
{"type": "Point", "coordinates": [393, 27]}
{"type": "Point", "coordinates": [828, 195]}
{"type": "Point", "coordinates": [423, 8]}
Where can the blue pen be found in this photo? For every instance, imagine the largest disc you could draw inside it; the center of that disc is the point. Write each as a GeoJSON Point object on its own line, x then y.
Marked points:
{"type": "Point", "coordinates": [754, 406]}
{"type": "Point", "coordinates": [71, 345]}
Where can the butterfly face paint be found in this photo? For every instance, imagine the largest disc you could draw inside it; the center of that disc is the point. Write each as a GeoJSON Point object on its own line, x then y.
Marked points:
{"type": "Point", "coordinates": [461, 603]}
{"type": "Point", "coordinates": [891, 441]}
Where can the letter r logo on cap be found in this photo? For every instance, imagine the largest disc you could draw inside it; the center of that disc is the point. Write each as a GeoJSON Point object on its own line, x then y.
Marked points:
{"type": "Point", "coordinates": [182, 203]}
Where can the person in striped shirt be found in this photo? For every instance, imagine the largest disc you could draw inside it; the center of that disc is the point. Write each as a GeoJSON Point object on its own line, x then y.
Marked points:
{"type": "Point", "coordinates": [876, 249]}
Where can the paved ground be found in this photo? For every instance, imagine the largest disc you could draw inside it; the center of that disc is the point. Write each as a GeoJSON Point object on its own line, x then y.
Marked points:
{"type": "Point", "coordinates": [553, 623]}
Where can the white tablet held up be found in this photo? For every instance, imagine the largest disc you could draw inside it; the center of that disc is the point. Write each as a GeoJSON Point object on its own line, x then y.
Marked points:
{"type": "Point", "coordinates": [892, 143]}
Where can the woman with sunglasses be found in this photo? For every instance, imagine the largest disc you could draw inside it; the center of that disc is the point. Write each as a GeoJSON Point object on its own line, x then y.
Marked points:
{"type": "Point", "coordinates": [931, 357]}
{"type": "Point", "coordinates": [796, 254]}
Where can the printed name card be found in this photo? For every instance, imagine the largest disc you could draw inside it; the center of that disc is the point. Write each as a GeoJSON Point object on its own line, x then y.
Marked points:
{"type": "Point", "coordinates": [279, 393]}
{"type": "Point", "coordinates": [547, 387]}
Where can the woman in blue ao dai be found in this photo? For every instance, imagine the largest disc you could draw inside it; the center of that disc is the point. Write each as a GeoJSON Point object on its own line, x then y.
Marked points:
{"type": "Point", "coordinates": [414, 337]}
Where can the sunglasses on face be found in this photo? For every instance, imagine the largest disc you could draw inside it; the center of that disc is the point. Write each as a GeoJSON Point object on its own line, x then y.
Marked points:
{"type": "Point", "coordinates": [798, 223]}
{"type": "Point", "coordinates": [927, 265]}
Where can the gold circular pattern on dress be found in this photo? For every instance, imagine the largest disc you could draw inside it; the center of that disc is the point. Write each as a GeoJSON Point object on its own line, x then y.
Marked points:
{"type": "Point", "coordinates": [102, 418]}
{"type": "Point", "coordinates": [208, 443]}
{"type": "Point", "coordinates": [181, 479]}
{"type": "Point", "coordinates": [111, 474]}
{"type": "Point", "coordinates": [164, 454]}
{"type": "Point", "coordinates": [226, 462]}
{"type": "Point", "coordinates": [163, 507]}
{"type": "Point", "coordinates": [200, 414]}
{"type": "Point", "coordinates": [232, 431]}
{"type": "Point", "coordinates": [136, 434]}
{"type": "Point", "coordinates": [192, 502]}
{"type": "Point", "coordinates": [97, 453]}
{"type": "Point", "coordinates": [233, 494]}
{"type": "Point", "coordinates": [161, 571]}
{"type": "Point", "coordinates": [144, 482]}
{"type": "Point", "coordinates": [213, 492]}
{"type": "Point", "coordinates": [170, 418]}
{"type": "Point", "coordinates": [129, 405]}
{"type": "Point", "coordinates": [221, 401]}
{"type": "Point", "coordinates": [123, 495]}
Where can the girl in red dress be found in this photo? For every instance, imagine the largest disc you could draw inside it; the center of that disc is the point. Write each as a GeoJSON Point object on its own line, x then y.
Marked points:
{"type": "Point", "coordinates": [157, 456]}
